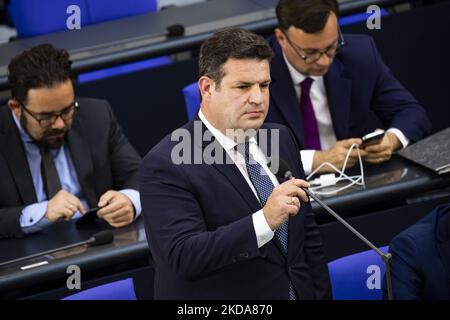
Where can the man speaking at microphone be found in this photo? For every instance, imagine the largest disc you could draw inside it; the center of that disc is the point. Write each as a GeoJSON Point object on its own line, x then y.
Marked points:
{"type": "Point", "coordinates": [226, 229]}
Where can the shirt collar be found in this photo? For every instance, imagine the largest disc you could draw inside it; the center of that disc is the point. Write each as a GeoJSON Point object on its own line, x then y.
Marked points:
{"type": "Point", "coordinates": [226, 142]}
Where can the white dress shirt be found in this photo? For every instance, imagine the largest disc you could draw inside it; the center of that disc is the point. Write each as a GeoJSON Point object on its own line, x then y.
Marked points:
{"type": "Point", "coordinates": [321, 108]}
{"type": "Point", "coordinates": [262, 230]}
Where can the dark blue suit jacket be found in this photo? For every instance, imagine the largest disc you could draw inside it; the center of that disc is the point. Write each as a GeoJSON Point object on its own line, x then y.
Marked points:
{"type": "Point", "coordinates": [421, 258]}
{"type": "Point", "coordinates": [198, 220]}
{"type": "Point", "coordinates": [357, 81]}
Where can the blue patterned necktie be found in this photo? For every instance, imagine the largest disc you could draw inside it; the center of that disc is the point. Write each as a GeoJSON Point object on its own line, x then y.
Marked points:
{"type": "Point", "coordinates": [264, 187]}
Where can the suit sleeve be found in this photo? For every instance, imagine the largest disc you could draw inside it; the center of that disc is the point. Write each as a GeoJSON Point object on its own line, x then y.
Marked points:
{"type": "Point", "coordinates": [125, 161]}
{"type": "Point", "coordinates": [10, 223]}
{"type": "Point", "coordinates": [175, 225]}
{"type": "Point", "coordinates": [394, 105]}
{"type": "Point", "coordinates": [406, 274]}
{"type": "Point", "coordinates": [314, 253]}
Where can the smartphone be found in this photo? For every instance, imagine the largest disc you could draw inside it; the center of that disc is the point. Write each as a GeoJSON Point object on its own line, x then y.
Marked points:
{"type": "Point", "coordinates": [372, 138]}
{"type": "Point", "coordinates": [88, 217]}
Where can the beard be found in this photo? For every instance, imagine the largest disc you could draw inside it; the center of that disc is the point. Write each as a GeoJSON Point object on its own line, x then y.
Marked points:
{"type": "Point", "coordinates": [51, 138]}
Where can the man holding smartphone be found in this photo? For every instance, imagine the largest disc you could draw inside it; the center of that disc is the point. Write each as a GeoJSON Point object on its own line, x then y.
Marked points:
{"type": "Point", "coordinates": [326, 84]}
{"type": "Point", "coordinates": [60, 155]}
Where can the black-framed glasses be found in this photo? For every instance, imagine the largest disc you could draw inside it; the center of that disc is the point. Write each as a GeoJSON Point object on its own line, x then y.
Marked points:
{"type": "Point", "coordinates": [312, 55]}
{"type": "Point", "coordinates": [47, 119]}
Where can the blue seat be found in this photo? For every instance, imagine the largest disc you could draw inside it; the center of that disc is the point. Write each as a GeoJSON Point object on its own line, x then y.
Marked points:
{"type": "Point", "coordinates": [192, 99]}
{"type": "Point", "coordinates": [105, 10]}
{"type": "Point", "coordinates": [358, 276]}
{"type": "Point", "coordinates": [32, 18]}
{"type": "Point", "coordinates": [117, 290]}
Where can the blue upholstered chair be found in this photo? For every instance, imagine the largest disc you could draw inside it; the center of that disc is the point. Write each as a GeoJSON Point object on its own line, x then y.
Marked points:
{"type": "Point", "coordinates": [117, 290]}
{"type": "Point", "coordinates": [192, 99]}
{"type": "Point", "coordinates": [358, 276]}
{"type": "Point", "coordinates": [32, 18]}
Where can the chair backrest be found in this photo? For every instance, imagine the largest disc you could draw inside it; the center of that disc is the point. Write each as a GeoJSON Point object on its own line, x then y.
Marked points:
{"type": "Point", "coordinates": [117, 290]}
{"type": "Point", "coordinates": [32, 18]}
{"type": "Point", "coordinates": [192, 99]}
{"type": "Point", "coordinates": [358, 276]}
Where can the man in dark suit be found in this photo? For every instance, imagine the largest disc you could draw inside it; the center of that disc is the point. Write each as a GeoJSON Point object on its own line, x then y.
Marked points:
{"type": "Point", "coordinates": [60, 156]}
{"type": "Point", "coordinates": [420, 264]}
{"type": "Point", "coordinates": [218, 223]}
{"type": "Point", "coordinates": [324, 86]}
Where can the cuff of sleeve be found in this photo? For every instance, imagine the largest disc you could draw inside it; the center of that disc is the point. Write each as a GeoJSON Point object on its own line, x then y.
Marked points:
{"type": "Point", "coordinates": [403, 139]}
{"type": "Point", "coordinates": [307, 160]}
{"type": "Point", "coordinates": [33, 218]}
{"type": "Point", "coordinates": [133, 195]}
{"type": "Point", "coordinates": [262, 230]}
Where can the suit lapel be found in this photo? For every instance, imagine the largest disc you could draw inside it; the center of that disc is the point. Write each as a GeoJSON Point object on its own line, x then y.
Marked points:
{"type": "Point", "coordinates": [82, 161]}
{"type": "Point", "coordinates": [338, 91]}
{"type": "Point", "coordinates": [228, 169]}
{"type": "Point", "coordinates": [283, 94]}
{"type": "Point", "coordinates": [16, 158]}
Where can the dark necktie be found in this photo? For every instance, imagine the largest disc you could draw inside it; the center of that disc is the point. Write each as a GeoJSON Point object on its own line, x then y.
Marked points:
{"type": "Point", "coordinates": [264, 187]}
{"type": "Point", "coordinates": [50, 176]}
{"type": "Point", "coordinates": [310, 126]}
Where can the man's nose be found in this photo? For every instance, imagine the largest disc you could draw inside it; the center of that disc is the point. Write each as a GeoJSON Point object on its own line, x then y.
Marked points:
{"type": "Point", "coordinates": [58, 123]}
{"type": "Point", "coordinates": [256, 95]}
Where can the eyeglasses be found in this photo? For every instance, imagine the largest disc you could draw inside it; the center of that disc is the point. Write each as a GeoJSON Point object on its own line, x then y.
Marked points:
{"type": "Point", "coordinates": [311, 56]}
{"type": "Point", "coordinates": [47, 119]}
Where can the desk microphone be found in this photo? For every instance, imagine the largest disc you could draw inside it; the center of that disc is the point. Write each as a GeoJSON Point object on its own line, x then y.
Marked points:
{"type": "Point", "coordinates": [174, 30]}
{"type": "Point", "coordinates": [98, 239]}
{"type": "Point", "coordinates": [284, 174]}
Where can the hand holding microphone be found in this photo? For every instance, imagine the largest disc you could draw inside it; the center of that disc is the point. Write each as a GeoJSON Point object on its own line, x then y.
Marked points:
{"type": "Point", "coordinates": [284, 201]}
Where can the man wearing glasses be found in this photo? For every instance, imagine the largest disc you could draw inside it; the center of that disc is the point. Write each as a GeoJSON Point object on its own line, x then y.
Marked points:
{"type": "Point", "coordinates": [324, 88]}
{"type": "Point", "coordinates": [60, 156]}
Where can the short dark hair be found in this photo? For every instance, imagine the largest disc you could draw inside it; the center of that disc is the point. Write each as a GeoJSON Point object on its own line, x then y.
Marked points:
{"type": "Point", "coordinates": [230, 43]}
{"type": "Point", "coordinates": [42, 66]}
{"type": "Point", "coordinates": [309, 15]}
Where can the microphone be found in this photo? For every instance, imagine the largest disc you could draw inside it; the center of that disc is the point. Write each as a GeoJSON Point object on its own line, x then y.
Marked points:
{"type": "Point", "coordinates": [98, 239]}
{"type": "Point", "coordinates": [175, 30]}
{"type": "Point", "coordinates": [284, 174]}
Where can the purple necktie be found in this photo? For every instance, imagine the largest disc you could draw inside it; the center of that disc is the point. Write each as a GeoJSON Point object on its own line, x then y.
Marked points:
{"type": "Point", "coordinates": [310, 127]}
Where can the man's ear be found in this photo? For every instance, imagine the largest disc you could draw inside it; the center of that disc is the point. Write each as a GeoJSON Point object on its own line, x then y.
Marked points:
{"type": "Point", "coordinates": [206, 85]}
{"type": "Point", "coordinates": [15, 107]}
{"type": "Point", "coordinates": [281, 37]}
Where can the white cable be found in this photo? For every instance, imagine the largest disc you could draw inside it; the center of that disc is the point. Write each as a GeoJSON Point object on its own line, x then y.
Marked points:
{"type": "Point", "coordinates": [342, 176]}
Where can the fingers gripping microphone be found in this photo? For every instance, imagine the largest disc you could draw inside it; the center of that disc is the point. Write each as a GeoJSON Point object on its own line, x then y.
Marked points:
{"type": "Point", "coordinates": [284, 173]}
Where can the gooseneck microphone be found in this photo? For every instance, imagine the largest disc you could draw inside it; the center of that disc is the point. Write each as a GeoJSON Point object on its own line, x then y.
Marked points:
{"type": "Point", "coordinates": [98, 239]}
{"type": "Point", "coordinates": [284, 174]}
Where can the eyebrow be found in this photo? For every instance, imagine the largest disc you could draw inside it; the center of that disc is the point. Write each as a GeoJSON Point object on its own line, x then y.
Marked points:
{"type": "Point", "coordinates": [314, 49]}
{"type": "Point", "coordinates": [51, 113]}
{"type": "Point", "coordinates": [251, 83]}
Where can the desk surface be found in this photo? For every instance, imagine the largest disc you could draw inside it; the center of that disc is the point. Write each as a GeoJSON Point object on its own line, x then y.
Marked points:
{"type": "Point", "coordinates": [398, 178]}
{"type": "Point", "coordinates": [139, 37]}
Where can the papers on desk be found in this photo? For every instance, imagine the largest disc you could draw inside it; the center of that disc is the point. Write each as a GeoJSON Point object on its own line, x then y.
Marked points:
{"type": "Point", "coordinates": [432, 152]}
